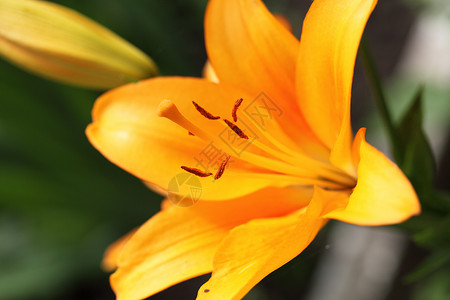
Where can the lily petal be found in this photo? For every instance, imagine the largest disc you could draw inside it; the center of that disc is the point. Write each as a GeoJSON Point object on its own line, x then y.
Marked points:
{"type": "Point", "coordinates": [330, 39]}
{"type": "Point", "coordinates": [253, 250]}
{"type": "Point", "coordinates": [184, 240]}
{"type": "Point", "coordinates": [249, 48]}
{"type": "Point", "coordinates": [341, 155]}
{"type": "Point", "coordinates": [209, 73]}
{"type": "Point", "coordinates": [382, 196]}
{"type": "Point", "coordinates": [112, 253]}
{"type": "Point", "coordinates": [284, 21]}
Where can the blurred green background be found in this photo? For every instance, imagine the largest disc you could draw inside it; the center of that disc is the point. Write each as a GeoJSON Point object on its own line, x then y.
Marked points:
{"type": "Point", "coordinates": [62, 203]}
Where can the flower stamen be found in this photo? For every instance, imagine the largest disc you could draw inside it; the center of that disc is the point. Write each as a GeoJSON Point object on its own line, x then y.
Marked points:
{"type": "Point", "coordinates": [168, 109]}
{"type": "Point", "coordinates": [235, 108]}
{"type": "Point", "coordinates": [236, 129]}
{"type": "Point", "coordinates": [204, 113]}
{"type": "Point", "coordinates": [196, 171]}
{"type": "Point", "coordinates": [222, 168]}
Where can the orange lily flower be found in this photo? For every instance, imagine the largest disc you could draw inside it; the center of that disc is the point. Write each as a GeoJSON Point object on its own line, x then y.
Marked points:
{"type": "Point", "coordinates": [294, 162]}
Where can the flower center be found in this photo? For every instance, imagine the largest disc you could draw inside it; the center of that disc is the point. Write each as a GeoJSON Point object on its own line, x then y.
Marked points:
{"type": "Point", "coordinates": [277, 161]}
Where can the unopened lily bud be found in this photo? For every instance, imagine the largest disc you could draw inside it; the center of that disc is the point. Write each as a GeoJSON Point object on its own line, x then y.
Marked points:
{"type": "Point", "coordinates": [61, 44]}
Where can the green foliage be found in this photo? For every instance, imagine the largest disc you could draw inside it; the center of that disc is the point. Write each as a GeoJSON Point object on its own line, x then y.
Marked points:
{"type": "Point", "coordinates": [416, 157]}
{"type": "Point", "coordinates": [432, 263]}
{"type": "Point", "coordinates": [434, 287]}
{"type": "Point", "coordinates": [431, 229]}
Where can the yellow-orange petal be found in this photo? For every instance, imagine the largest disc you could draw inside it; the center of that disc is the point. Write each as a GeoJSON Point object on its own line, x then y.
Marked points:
{"type": "Point", "coordinates": [359, 137]}
{"type": "Point", "coordinates": [209, 73]}
{"type": "Point", "coordinates": [61, 44]}
{"type": "Point", "coordinates": [127, 131]}
{"type": "Point", "coordinates": [253, 250]}
{"type": "Point", "coordinates": [284, 21]}
{"type": "Point", "coordinates": [112, 253]}
{"type": "Point", "coordinates": [330, 38]}
{"type": "Point", "coordinates": [341, 153]}
{"type": "Point", "coordinates": [249, 48]}
{"type": "Point", "coordinates": [179, 243]}
{"type": "Point", "coordinates": [382, 196]}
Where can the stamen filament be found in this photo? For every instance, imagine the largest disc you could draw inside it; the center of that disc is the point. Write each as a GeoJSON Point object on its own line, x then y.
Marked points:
{"type": "Point", "coordinates": [285, 180]}
{"type": "Point", "coordinates": [299, 159]}
{"type": "Point", "coordinates": [315, 167]}
{"type": "Point", "coordinates": [303, 165]}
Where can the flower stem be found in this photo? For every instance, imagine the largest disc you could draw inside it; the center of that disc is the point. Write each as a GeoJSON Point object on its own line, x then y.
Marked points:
{"type": "Point", "coordinates": [373, 78]}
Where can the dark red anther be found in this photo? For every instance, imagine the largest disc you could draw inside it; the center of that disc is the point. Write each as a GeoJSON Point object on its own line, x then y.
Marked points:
{"type": "Point", "coordinates": [222, 168]}
{"type": "Point", "coordinates": [236, 129]}
{"type": "Point", "coordinates": [190, 133]}
{"type": "Point", "coordinates": [204, 112]}
{"type": "Point", "coordinates": [196, 171]}
{"type": "Point", "coordinates": [235, 108]}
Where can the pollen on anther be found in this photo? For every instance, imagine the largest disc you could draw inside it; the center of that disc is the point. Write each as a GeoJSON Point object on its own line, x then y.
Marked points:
{"type": "Point", "coordinates": [196, 171]}
{"type": "Point", "coordinates": [235, 108]}
{"type": "Point", "coordinates": [236, 129]}
{"type": "Point", "coordinates": [221, 169]}
{"type": "Point", "coordinates": [204, 113]}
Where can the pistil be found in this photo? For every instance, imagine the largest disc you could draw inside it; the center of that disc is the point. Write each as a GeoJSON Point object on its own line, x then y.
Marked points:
{"type": "Point", "coordinates": [168, 109]}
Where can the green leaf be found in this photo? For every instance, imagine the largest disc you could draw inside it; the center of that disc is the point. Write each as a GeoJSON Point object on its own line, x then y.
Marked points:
{"type": "Point", "coordinates": [435, 235]}
{"type": "Point", "coordinates": [431, 264]}
{"type": "Point", "coordinates": [443, 200]}
{"type": "Point", "coordinates": [417, 159]}
{"type": "Point", "coordinates": [435, 287]}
